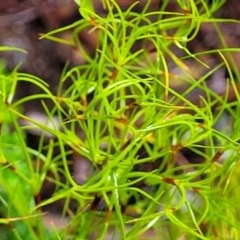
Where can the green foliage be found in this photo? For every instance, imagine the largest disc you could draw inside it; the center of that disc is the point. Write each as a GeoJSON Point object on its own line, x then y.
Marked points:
{"type": "Point", "coordinates": [131, 129]}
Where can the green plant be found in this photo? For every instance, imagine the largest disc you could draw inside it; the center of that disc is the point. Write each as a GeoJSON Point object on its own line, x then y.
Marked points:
{"type": "Point", "coordinates": [120, 111]}
{"type": "Point", "coordinates": [17, 177]}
